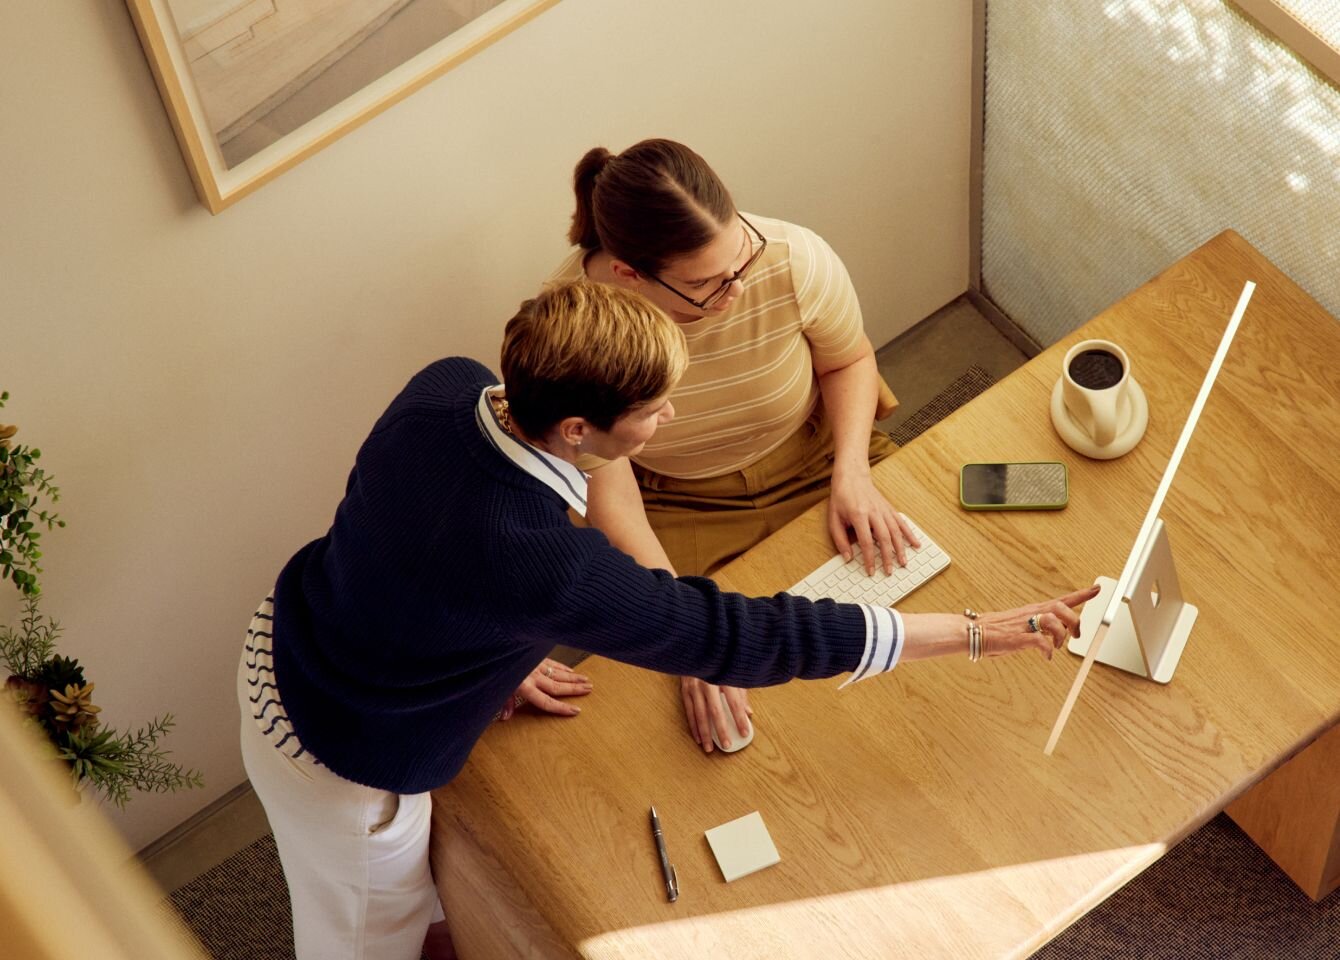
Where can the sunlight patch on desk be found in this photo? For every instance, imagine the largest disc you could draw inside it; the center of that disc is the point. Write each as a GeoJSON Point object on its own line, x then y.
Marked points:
{"type": "Point", "coordinates": [982, 913]}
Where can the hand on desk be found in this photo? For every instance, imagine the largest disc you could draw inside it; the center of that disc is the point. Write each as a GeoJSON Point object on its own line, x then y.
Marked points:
{"type": "Point", "coordinates": [855, 504]}
{"type": "Point", "coordinates": [702, 706]}
{"type": "Point", "coordinates": [549, 680]}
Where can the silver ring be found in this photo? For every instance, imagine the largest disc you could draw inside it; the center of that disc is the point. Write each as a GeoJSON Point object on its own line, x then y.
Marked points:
{"type": "Point", "coordinates": [549, 672]}
{"type": "Point", "coordinates": [1033, 623]}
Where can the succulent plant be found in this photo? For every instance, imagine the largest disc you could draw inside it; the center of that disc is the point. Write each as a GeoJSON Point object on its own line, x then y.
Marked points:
{"type": "Point", "coordinates": [51, 693]}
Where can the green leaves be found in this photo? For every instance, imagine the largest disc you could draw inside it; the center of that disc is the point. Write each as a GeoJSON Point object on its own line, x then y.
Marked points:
{"type": "Point", "coordinates": [116, 763]}
{"type": "Point", "coordinates": [47, 686]}
{"type": "Point", "coordinates": [22, 485]}
{"type": "Point", "coordinates": [27, 650]}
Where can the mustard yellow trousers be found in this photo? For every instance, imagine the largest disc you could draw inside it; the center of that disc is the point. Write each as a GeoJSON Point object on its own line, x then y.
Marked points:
{"type": "Point", "coordinates": [704, 524]}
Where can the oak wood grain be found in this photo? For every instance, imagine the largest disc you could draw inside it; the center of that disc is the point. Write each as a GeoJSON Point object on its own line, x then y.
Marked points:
{"type": "Point", "coordinates": [915, 812]}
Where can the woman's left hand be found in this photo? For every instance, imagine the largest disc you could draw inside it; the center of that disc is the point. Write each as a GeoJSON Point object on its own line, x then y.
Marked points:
{"type": "Point", "coordinates": [881, 532]}
{"type": "Point", "coordinates": [546, 682]}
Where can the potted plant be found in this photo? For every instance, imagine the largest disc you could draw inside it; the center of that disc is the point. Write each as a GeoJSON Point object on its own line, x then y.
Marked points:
{"type": "Point", "coordinates": [51, 692]}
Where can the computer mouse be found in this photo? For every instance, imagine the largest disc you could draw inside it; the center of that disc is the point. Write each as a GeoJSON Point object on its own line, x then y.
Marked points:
{"type": "Point", "coordinates": [738, 741]}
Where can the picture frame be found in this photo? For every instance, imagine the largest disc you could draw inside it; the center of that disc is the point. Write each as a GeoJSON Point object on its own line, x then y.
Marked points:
{"type": "Point", "coordinates": [254, 87]}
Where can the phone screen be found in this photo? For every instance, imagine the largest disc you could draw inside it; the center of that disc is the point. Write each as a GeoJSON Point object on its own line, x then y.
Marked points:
{"type": "Point", "coordinates": [1037, 486]}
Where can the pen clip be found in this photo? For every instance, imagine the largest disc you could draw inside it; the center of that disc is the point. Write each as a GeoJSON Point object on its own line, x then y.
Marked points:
{"type": "Point", "coordinates": [672, 884]}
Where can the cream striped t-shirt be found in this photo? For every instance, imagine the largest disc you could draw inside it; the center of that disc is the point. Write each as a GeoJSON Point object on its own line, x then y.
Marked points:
{"type": "Point", "coordinates": [751, 382]}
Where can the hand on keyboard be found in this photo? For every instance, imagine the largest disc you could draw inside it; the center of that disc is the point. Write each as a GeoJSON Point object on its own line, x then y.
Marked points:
{"type": "Point", "coordinates": [847, 581]}
{"type": "Point", "coordinates": [883, 536]}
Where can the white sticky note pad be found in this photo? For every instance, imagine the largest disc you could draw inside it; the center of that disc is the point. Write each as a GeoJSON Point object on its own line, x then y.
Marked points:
{"type": "Point", "coordinates": [742, 846]}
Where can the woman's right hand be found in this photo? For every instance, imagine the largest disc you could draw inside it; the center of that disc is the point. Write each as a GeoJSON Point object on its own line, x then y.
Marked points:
{"type": "Point", "coordinates": [1009, 631]}
{"type": "Point", "coordinates": [702, 708]}
{"type": "Point", "coordinates": [1003, 631]}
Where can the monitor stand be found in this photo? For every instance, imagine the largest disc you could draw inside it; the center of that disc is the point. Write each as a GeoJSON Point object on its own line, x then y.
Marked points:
{"type": "Point", "coordinates": [1153, 623]}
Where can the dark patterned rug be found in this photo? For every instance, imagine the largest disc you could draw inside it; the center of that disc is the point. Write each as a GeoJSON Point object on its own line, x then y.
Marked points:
{"type": "Point", "coordinates": [1214, 896]}
{"type": "Point", "coordinates": [973, 381]}
{"type": "Point", "coordinates": [239, 909]}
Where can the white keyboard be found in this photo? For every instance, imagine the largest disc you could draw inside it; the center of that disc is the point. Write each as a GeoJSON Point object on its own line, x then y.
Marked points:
{"type": "Point", "coordinates": [847, 582]}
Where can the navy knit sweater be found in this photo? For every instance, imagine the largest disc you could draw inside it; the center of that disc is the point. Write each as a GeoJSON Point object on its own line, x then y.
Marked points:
{"type": "Point", "coordinates": [449, 573]}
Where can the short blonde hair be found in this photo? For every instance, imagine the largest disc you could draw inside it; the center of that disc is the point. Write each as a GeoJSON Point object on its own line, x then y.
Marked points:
{"type": "Point", "coordinates": [588, 350]}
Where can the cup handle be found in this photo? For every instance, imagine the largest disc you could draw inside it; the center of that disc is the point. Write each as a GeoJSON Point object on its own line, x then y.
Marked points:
{"type": "Point", "coordinates": [1104, 412]}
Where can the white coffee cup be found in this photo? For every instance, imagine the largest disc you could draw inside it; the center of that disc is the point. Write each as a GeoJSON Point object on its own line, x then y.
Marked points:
{"type": "Point", "coordinates": [1097, 407]}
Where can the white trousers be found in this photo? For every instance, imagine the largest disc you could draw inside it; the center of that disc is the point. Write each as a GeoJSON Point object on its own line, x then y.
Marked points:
{"type": "Point", "coordinates": [355, 858]}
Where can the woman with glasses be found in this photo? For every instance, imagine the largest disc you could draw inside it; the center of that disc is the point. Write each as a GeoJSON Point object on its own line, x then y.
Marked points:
{"type": "Point", "coordinates": [776, 410]}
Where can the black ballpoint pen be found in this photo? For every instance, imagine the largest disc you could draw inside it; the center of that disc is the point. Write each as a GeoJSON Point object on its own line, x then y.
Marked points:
{"type": "Point", "coordinates": [669, 872]}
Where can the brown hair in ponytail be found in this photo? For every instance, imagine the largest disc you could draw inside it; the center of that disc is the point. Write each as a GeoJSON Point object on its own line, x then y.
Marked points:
{"type": "Point", "coordinates": [583, 229]}
{"type": "Point", "coordinates": [653, 203]}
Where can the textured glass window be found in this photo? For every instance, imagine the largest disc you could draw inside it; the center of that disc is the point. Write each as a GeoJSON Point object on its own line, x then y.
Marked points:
{"type": "Point", "coordinates": [1120, 135]}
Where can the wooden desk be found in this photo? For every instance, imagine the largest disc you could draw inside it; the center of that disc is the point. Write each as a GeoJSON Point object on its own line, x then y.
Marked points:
{"type": "Point", "coordinates": [915, 813]}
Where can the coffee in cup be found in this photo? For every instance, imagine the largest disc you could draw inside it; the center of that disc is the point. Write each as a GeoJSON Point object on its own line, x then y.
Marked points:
{"type": "Point", "coordinates": [1097, 407]}
{"type": "Point", "coordinates": [1097, 369]}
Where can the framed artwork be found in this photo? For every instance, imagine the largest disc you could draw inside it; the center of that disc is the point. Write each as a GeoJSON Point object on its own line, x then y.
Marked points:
{"type": "Point", "coordinates": [253, 87]}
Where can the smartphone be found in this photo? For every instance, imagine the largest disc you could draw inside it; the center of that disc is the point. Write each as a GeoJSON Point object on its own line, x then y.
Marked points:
{"type": "Point", "coordinates": [1038, 485]}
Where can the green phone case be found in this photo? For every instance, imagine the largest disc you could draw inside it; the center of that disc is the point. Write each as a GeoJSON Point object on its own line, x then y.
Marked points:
{"type": "Point", "coordinates": [1026, 502]}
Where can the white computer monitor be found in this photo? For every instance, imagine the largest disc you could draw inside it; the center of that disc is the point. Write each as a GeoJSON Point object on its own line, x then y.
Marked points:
{"type": "Point", "coordinates": [1145, 621]}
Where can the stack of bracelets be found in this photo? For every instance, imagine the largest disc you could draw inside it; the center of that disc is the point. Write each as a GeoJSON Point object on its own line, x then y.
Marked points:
{"type": "Point", "coordinates": [975, 649]}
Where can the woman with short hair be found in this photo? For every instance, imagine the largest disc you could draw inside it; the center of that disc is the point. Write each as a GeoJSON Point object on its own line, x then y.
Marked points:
{"type": "Point", "coordinates": [450, 571]}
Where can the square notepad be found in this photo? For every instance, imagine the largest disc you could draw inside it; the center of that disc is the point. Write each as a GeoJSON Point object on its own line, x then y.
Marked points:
{"type": "Point", "coordinates": [742, 846]}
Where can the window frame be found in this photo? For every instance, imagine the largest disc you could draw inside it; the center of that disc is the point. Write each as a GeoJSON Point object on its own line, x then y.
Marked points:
{"type": "Point", "coordinates": [1274, 18]}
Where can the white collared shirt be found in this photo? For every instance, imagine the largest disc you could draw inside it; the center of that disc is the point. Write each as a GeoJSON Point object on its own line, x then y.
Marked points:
{"type": "Point", "coordinates": [555, 473]}
{"type": "Point", "coordinates": [883, 625]}
{"type": "Point", "coordinates": [883, 642]}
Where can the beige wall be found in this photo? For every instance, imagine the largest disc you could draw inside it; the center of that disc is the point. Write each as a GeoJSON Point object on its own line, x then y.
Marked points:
{"type": "Point", "coordinates": [199, 384]}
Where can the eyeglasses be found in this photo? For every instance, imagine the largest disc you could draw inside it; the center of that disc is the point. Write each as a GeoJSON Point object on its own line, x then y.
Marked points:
{"type": "Point", "coordinates": [715, 296]}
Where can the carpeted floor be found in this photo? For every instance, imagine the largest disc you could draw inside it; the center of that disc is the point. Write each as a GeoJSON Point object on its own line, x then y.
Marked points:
{"type": "Point", "coordinates": [1215, 896]}
{"type": "Point", "coordinates": [239, 910]}
{"type": "Point", "coordinates": [972, 382]}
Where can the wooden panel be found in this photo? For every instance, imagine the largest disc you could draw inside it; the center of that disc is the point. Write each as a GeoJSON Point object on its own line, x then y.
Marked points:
{"type": "Point", "coordinates": [487, 910]}
{"type": "Point", "coordinates": [1294, 815]}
